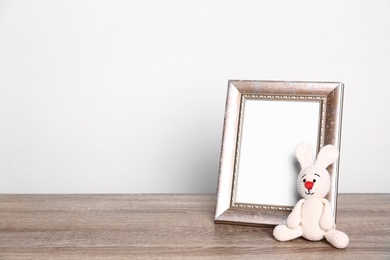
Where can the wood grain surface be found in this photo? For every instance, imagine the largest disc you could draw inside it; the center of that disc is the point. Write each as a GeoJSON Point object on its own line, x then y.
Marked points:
{"type": "Point", "coordinates": [172, 227]}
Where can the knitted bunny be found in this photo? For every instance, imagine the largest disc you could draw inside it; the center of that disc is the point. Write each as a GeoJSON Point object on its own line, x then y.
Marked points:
{"type": "Point", "coordinates": [312, 216]}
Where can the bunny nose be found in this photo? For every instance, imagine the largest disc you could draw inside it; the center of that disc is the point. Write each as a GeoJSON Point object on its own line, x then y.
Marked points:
{"type": "Point", "coordinates": [309, 185]}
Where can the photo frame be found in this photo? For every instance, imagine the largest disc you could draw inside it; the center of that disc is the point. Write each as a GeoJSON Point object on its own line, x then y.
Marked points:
{"type": "Point", "coordinates": [264, 121]}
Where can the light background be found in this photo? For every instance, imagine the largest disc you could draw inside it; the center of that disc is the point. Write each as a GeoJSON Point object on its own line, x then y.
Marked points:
{"type": "Point", "coordinates": [129, 96]}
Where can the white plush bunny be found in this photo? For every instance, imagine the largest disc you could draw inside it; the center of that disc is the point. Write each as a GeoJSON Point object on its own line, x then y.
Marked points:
{"type": "Point", "coordinates": [312, 215]}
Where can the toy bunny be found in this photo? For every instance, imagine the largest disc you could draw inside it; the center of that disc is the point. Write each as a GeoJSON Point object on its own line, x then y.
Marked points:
{"type": "Point", "coordinates": [312, 215]}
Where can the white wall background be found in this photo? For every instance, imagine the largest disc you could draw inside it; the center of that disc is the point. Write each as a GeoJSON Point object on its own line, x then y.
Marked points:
{"type": "Point", "coordinates": [129, 96]}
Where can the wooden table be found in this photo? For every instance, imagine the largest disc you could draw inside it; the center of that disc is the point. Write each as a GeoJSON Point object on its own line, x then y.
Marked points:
{"type": "Point", "coordinates": [172, 227]}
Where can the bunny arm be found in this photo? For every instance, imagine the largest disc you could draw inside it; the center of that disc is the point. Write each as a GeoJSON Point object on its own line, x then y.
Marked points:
{"type": "Point", "coordinates": [326, 220]}
{"type": "Point", "coordinates": [294, 219]}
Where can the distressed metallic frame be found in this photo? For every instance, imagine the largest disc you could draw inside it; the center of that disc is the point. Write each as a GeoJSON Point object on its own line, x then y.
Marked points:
{"type": "Point", "coordinates": [330, 97]}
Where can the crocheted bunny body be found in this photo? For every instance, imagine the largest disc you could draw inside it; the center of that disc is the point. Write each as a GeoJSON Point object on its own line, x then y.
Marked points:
{"type": "Point", "coordinates": [311, 212]}
{"type": "Point", "coordinates": [311, 217]}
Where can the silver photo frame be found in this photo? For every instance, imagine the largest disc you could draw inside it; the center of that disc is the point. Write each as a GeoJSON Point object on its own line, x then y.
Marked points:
{"type": "Point", "coordinates": [264, 121]}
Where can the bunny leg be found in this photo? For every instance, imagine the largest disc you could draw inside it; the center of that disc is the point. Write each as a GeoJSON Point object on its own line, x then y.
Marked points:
{"type": "Point", "coordinates": [284, 233]}
{"type": "Point", "coordinates": [337, 238]}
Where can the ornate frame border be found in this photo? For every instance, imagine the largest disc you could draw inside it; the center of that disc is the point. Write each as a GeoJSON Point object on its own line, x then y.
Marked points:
{"type": "Point", "coordinates": [330, 97]}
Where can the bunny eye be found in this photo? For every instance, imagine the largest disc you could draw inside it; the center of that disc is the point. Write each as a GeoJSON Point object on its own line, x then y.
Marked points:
{"type": "Point", "coordinates": [314, 180]}
{"type": "Point", "coordinates": [304, 180]}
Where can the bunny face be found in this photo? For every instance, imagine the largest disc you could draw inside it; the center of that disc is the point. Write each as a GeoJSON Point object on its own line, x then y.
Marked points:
{"type": "Point", "coordinates": [314, 180]}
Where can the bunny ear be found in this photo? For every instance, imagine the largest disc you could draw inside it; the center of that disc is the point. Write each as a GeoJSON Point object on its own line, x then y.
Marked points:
{"type": "Point", "coordinates": [304, 154]}
{"type": "Point", "coordinates": [327, 155]}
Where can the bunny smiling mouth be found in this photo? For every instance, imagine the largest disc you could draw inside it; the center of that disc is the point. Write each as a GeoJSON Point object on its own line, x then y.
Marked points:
{"type": "Point", "coordinates": [309, 193]}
